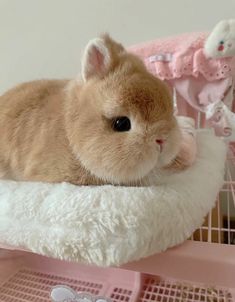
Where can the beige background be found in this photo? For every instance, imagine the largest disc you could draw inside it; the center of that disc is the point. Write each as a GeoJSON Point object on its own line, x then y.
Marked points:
{"type": "Point", "coordinates": [44, 38]}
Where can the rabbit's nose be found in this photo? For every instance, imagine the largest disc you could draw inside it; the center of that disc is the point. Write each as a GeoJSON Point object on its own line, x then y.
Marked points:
{"type": "Point", "coordinates": [160, 142]}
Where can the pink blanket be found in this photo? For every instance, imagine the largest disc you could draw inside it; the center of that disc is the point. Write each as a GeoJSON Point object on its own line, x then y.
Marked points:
{"type": "Point", "coordinates": [204, 83]}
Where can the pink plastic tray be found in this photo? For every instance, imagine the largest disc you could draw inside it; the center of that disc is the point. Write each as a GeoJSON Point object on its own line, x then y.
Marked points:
{"type": "Point", "coordinates": [195, 275]}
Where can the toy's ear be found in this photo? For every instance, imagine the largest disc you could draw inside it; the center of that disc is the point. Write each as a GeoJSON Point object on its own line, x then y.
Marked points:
{"type": "Point", "coordinates": [62, 293]}
{"type": "Point", "coordinates": [222, 27]}
{"type": "Point", "coordinates": [99, 56]}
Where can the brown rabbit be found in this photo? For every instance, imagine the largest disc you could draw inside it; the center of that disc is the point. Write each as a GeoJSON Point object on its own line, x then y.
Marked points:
{"type": "Point", "coordinates": [113, 126]}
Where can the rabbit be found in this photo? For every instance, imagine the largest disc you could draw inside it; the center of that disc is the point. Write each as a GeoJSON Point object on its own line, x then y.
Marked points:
{"type": "Point", "coordinates": [112, 125]}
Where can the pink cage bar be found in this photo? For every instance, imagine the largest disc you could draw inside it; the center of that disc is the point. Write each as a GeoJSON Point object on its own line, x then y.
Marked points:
{"type": "Point", "coordinates": [201, 269]}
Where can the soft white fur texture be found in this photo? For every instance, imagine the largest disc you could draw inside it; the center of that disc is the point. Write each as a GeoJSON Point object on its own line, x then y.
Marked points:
{"type": "Point", "coordinates": [110, 225]}
{"type": "Point", "coordinates": [224, 32]}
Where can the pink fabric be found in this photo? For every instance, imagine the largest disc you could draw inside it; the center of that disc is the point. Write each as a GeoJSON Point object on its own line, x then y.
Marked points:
{"type": "Point", "coordinates": [187, 58]}
{"type": "Point", "coordinates": [198, 80]}
{"type": "Point", "coordinates": [199, 92]}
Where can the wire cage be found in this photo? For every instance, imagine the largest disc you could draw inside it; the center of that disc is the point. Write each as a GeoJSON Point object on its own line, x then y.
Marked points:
{"type": "Point", "coordinates": [219, 226]}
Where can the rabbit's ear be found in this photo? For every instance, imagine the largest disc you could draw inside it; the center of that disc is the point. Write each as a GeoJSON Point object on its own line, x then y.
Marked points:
{"type": "Point", "coordinates": [96, 59]}
{"type": "Point", "coordinates": [100, 55]}
{"type": "Point", "coordinates": [61, 293]}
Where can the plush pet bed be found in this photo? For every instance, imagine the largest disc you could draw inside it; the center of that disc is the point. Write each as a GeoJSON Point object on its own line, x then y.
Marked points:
{"type": "Point", "coordinates": [110, 225]}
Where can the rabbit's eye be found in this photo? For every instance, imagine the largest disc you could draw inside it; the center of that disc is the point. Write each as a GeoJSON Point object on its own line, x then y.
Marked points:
{"type": "Point", "coordinates": [121, 124]}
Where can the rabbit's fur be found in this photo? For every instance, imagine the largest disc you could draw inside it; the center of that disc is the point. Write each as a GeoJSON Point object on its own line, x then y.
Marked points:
{"type": "Point", "coordinates": [62, 130]}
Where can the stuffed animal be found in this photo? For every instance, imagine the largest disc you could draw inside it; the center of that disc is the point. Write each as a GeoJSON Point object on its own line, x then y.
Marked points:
{"type": "Point", "coordinates": [221, 44]}
{"type": "Point", "coordinates": [114, 125]}
{"type": "Point", "coordinates": [221, 41]}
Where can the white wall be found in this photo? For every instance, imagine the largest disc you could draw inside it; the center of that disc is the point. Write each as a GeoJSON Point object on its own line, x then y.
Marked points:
{"type": "Point", "coordinates": [44, 38]}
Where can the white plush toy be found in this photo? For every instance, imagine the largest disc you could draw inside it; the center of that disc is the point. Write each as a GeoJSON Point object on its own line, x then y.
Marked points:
{"type": "Point", "coordinates": [221, 42]}
{"type": "Point", "coordinates": [63, 293]}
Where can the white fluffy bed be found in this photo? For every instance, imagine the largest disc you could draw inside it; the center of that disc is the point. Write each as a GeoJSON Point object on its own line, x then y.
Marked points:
{"type": "Point", "coordinates": [110, 225]}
